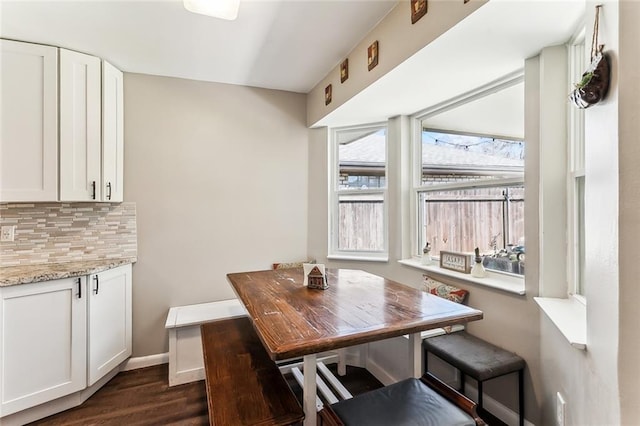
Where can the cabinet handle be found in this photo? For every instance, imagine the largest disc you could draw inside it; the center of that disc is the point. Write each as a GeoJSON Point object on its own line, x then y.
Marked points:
{"type": "Point", "coordinates": [79, 288]}
{"type": "Point", "coordinates": [97, 287]}
{"type": "Point", "coordinates": [93, 190]}
{"type": "Point", "coordinates": [109, 191]}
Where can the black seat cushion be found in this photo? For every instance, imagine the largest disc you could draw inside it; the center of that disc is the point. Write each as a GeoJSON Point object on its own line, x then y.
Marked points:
{"type": "Point", "coordinates": [406, 403]}
{"type": "Point", "coordinates": [473, 356]}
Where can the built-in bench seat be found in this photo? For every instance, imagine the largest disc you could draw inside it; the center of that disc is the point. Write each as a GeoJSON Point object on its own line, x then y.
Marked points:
{"type": "Point", "coordinates": [244, 386]}
{"type": "Point", "coordinates": [185, 345]}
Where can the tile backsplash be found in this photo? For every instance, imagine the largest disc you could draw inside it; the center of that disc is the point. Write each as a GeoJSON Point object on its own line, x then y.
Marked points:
{"type": "Point", "coordinates": [68, 232]}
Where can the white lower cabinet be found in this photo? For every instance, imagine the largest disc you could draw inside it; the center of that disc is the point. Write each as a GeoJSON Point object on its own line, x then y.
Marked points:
{"type": "Point", "coordinates": [42, 342]}
{"type": "Point", "coordinates": [109, 321]}
{"type": "Point", "coordinates": [60, 337]}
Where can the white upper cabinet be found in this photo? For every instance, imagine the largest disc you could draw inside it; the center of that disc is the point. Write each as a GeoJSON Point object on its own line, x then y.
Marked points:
{"type": "Point", "coordinates": [61, 125]}
{"type": "Point", "coordinates": [112, 133]}
{"type": "Point", "coordinates": [28, 122]}
{"type": "Point", "coordinates": [80, 127]}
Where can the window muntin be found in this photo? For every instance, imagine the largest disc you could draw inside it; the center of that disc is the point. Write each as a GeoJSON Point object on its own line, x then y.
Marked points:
{"type": "Point", "coordinates": [359, 213]}
{"type": "Point", "coordinates": [471, 194]}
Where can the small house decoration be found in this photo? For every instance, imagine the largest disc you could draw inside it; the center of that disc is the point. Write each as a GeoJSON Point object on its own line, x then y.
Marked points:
{"type": "Point", "coordinates": [316, 279]}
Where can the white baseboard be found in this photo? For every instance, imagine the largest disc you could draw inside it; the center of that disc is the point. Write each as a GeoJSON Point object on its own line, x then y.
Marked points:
{"type": "Point", "coordinates": [494, 407]}
{"type": "Point", "coordinates": [146, 361]}
{"type": "Point", "coordinates": [381, 374]}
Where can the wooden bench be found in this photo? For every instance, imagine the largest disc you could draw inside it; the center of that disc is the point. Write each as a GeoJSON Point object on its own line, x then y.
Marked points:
{"type": "Point", "coordinates": [185, 346]}
{"type": "Point", "coordinates": [244, 386]}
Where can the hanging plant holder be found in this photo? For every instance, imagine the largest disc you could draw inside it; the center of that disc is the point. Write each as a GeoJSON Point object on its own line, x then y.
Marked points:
{"type": "Point", "coordinates": [595, 81]}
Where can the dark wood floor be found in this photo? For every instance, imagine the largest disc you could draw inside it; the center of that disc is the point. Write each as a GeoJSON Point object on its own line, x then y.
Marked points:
{"type": "Point", "coordinates": [143, 397]}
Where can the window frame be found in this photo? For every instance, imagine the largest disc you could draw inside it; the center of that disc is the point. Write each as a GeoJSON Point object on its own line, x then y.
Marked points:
{"type": "Point", "coordinates": [335, 192]}
{"type": "Point", "coordinates": [419, 188]}
{"type": "Point", "coordinates": [576, 178]}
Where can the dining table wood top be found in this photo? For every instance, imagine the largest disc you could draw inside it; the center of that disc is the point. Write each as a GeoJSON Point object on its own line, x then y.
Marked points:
{"type": "Point", "coordinates": [357, 307]}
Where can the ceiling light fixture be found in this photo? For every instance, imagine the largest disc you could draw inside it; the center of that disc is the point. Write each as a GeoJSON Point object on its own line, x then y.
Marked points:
{"type": "Point", "coordinates": [223, 9]}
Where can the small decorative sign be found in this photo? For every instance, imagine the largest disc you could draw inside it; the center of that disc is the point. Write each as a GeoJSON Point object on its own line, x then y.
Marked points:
{"type": "Point", "coordinates": [372, 55]}
{"type": "Point", "coordinates": [418, 10]}
{"type": "Point", "coordinates": [327, 95]}
{"type": "Point", "coordinates": [344, 70]}
{"type": "Point", "coordinates": [459, 262]}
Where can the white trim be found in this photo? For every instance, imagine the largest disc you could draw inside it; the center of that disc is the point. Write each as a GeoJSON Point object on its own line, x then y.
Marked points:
{"type": "Point", "coordinates": [490, 88]}
{"type": "Point", "coordinates": [504, 282]}
{"type": "Point", "coordinates": [482, 183]}
{"type": "Point", "coordinates": [381, 374]}
{"type": "Point", "coordinates": [335, 193]}
{"type": "Point", "coordinates": [575, 164]}
{"type": "Point", "coordinates": [146, 361]}
{"type": "Point", "coordinates": [364, 257]}
{"type": "Point", "coordinates": [415, 225]}
{"type": "Point", "coordinates": [499, 410]}
{"type": "Point", "coordinates": [57, 405]}
{"type": "Point", "coordinates": [569, 315]}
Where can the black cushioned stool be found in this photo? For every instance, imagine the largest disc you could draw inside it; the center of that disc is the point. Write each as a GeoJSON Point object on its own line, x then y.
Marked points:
{"type": "Point", "coordinates": [412, 402]}
{"type": "Point", "coordinates": [477, 359]}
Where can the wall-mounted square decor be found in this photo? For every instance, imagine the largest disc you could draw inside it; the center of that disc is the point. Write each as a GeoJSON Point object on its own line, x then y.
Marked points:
{"type": "Point", "coordinates": [372, 55]}
{"type": "Point", "coordinates": [327, 95]}
{"type": "Point", "coordinates": [419, 9]}
{"type": "Point", "coordinates": [344, 70]}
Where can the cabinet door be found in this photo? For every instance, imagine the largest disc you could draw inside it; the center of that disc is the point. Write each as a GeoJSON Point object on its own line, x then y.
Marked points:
{"type": "Point", "coordinates": [109, 320]}
{"type": "Point", "coordinates": [112, 133]}
{"type": "Point", "coordinates": [29, 117]}
{"type": "Point", "coordinates": [80, 133]}
{"type": "Point", "coordinates": [42, 342]}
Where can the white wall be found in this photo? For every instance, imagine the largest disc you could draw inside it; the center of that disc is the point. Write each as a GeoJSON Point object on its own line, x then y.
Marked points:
{"type": "Point", "coordinates": [219, 176]}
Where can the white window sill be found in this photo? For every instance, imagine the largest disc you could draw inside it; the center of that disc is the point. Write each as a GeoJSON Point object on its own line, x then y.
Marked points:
{"type": "Point", "coordinates": [503, 282]}
{"type": "Point", "coordinates": [569, 315]}
{"type": "Point", "coordinates": [365, 258]}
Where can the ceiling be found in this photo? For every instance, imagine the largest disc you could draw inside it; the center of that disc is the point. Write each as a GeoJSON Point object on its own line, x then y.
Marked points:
{"type": "Point", "coordinates": [276, 44]}
{"type": "Point", "coordinates": [293, 44]}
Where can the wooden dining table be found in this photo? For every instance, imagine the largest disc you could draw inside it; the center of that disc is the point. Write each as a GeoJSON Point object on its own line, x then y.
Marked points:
{"type": "Point", "coordinates": [358, 307]}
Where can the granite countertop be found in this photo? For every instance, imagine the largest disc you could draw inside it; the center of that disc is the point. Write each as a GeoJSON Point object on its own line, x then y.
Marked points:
{"type": "Point", "coordinates": [25, 274]}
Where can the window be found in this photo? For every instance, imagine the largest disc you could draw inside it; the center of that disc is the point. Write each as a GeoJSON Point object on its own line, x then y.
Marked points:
{"type": "Point", "coordinates": [471, 194]}
{"type": "Point", "coordinates": [576, 175]}
{"type": "Point", "coordinates": [359, 191]}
